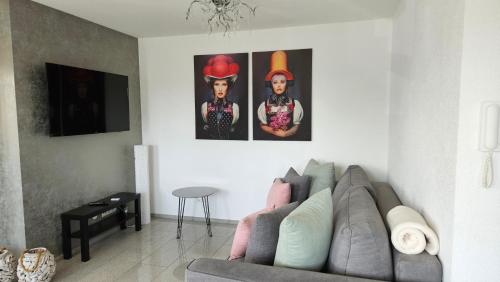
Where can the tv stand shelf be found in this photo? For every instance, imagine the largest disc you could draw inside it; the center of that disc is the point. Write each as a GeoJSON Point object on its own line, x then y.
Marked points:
{"type": "Point", "coordinates": [84, 213]}
{"type": "Point", "coordinates": [103, 225]}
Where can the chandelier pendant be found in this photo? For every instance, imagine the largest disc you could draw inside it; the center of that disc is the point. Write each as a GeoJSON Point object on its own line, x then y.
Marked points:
{"type": "Point", "coordinates": [222, 15]}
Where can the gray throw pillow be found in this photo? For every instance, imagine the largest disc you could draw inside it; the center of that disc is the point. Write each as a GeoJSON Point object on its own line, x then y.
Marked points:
{"type": "Point", "coordinates": [300, 185]}
{"type": "Point", "coordinates": [264, 235]}
{"type": "Point", "coordinates": [322, 176]}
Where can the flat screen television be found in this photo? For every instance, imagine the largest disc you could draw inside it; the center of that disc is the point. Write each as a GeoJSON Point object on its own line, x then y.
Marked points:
{"type": "Point", "coordinates": [83, 101]}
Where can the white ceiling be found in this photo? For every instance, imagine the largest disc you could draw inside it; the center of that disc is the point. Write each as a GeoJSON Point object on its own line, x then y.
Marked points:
{"type": "Point", "coordinates": [150, 18]}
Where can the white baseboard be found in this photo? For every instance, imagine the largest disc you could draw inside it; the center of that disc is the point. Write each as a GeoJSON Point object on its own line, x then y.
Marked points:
{"type": "Point", "coordinates": [195, 218]}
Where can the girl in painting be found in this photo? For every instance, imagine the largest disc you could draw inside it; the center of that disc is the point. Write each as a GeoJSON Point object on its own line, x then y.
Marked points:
{"type": "Point", "coordinates": [280, 115]}
{"type": "Point", "coordinates": [219, 114]}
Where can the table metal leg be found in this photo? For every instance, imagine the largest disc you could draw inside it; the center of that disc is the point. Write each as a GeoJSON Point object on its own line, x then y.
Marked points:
{"type": "Point", "coordinates": [84, 239]}
{"type": "Point", "coordinates": [66, 237]}
{"type": "Point", "coordinates": [180, 216]}
{"type": "Point", "coordinates": [206, 209]}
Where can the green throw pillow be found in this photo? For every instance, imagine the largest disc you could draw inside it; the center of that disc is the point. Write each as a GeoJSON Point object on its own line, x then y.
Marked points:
{"type": "Point", "coordinates": [306, 233]}
{"type": "Point", "coordinates": [322, 176]}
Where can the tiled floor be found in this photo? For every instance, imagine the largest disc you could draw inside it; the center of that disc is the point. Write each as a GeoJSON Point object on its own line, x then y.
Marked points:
{"type": "Point", "coordinates": [152, 254]}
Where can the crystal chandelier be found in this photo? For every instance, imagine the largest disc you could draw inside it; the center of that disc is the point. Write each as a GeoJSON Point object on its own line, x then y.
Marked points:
{"type": "Point", "coordinates": [223, 15]}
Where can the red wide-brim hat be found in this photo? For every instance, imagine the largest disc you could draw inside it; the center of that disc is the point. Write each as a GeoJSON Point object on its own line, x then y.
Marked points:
{"type": "Point", "coordinates": [221, 67]}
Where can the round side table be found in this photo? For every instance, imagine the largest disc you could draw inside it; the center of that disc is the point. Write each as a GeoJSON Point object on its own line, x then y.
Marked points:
{"type": "Point", "coordinates": [193, 192]}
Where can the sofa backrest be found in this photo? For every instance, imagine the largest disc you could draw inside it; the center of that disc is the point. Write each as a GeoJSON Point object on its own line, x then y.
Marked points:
{"type": "Point", "coordinates": [353, 176]}
{"type": "Point", "coordinates": [422, 267]}
{"type": "Point", "coordinates": [360, 245]}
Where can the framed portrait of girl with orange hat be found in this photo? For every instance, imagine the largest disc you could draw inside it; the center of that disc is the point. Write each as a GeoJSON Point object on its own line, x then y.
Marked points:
{"type": "Point", "coordinates": [282, 82]}
{"type": "Point", "coordinates": [221, 96]}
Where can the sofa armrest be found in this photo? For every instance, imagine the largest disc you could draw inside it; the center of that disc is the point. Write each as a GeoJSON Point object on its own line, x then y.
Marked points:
{"type": "Point", "coordinates": [206, 269]}
{"type": "Point", "coordinates": [407, 268]}
{"type": "Point", "coordinates": [422, 267]}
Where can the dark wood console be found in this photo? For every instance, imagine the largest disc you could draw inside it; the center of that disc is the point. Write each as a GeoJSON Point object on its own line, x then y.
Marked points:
{"type": "Point", "coordinates": [85, 213]}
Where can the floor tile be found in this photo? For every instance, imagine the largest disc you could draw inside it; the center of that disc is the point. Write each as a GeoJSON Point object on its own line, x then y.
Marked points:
{"type": "Point", "coordinates": [206, 247]}
{"type": "Point", "coordinates": [169, 253]}
{"type": "Point", "coordinates": [109, 271]}
{"type": "Point", "coordinates": [223, 252]}
{"type": "Point", "coordinates": [175, 272]}
{"type": "Point", "coordinates": [153, 254]}
{"type": "Point", "coordinates": [223, 230]}
{"type": "Point", "coordinates": [141, 273]}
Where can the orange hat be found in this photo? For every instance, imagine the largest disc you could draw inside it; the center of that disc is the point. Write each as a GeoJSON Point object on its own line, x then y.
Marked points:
{"type": "Point", "coordinates": [279, 64]}
{"type": "Point", "coordinates": [221, 67]}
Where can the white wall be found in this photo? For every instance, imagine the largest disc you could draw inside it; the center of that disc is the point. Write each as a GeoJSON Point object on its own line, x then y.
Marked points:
{"type": "Point", "coordinates": [476, 252]}
{"type": "Point", "coordinates": [425, 89]}
{"type": "Point", "coordinates": [351, 63]}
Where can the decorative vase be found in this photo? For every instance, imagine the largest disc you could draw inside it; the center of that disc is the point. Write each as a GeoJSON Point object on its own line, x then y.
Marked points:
{"type": "Point", "coordinates": [36, 265]}
{"type": "Point", "coordinates": [7, 265]}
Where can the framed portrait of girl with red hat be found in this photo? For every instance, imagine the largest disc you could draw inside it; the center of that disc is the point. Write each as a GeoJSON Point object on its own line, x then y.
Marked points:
{"type": "Point", "coordinates": [282, 95]}
{"type": "Point", "coordinates": [221, 96]}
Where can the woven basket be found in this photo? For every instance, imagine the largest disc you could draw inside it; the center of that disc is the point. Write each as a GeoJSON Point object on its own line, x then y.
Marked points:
{"type": "Point", "coordinates": [7, 265]}
{"type": "Point", "coordinates": [36, 265]}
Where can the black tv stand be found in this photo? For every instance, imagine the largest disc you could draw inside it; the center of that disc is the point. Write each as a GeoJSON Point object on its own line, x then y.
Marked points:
{"type": "Point", "coordinates": [86, 212]}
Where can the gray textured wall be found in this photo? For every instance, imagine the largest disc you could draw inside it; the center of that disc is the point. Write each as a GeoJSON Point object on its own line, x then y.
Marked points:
{"type": "Point", "coordinates": [11, 198]}
{"type": "Point", "coordinates": [61, 173]}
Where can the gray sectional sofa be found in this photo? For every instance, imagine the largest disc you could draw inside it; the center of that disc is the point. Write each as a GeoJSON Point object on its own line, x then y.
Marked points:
{"type": "Point", "coordinates": [360, 248]}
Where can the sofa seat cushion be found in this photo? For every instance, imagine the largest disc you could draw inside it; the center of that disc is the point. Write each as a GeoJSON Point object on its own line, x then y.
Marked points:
{"type": "Point", "coordinates": [305, 234]}
{"type": "Point", "coordinates": [300, 185]}
{"type": "Point", "coordinates": [265, 233]}
{"type": "Point", "coordinates": [322, 176]}
{"type": "Point", "coordinates": [215, 270]}
{"type": "Point", "coordinates": [360, 245]}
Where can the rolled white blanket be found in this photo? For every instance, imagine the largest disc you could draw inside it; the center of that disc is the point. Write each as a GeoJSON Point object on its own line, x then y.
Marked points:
{"type": "Point", "coordinates": [410, 233]}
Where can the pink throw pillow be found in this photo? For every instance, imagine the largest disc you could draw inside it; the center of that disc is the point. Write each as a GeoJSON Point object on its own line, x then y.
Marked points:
{"type": "Point", "coordinates": [242, 235]}
{"type": "Point", "coordinates": [279, 195]}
